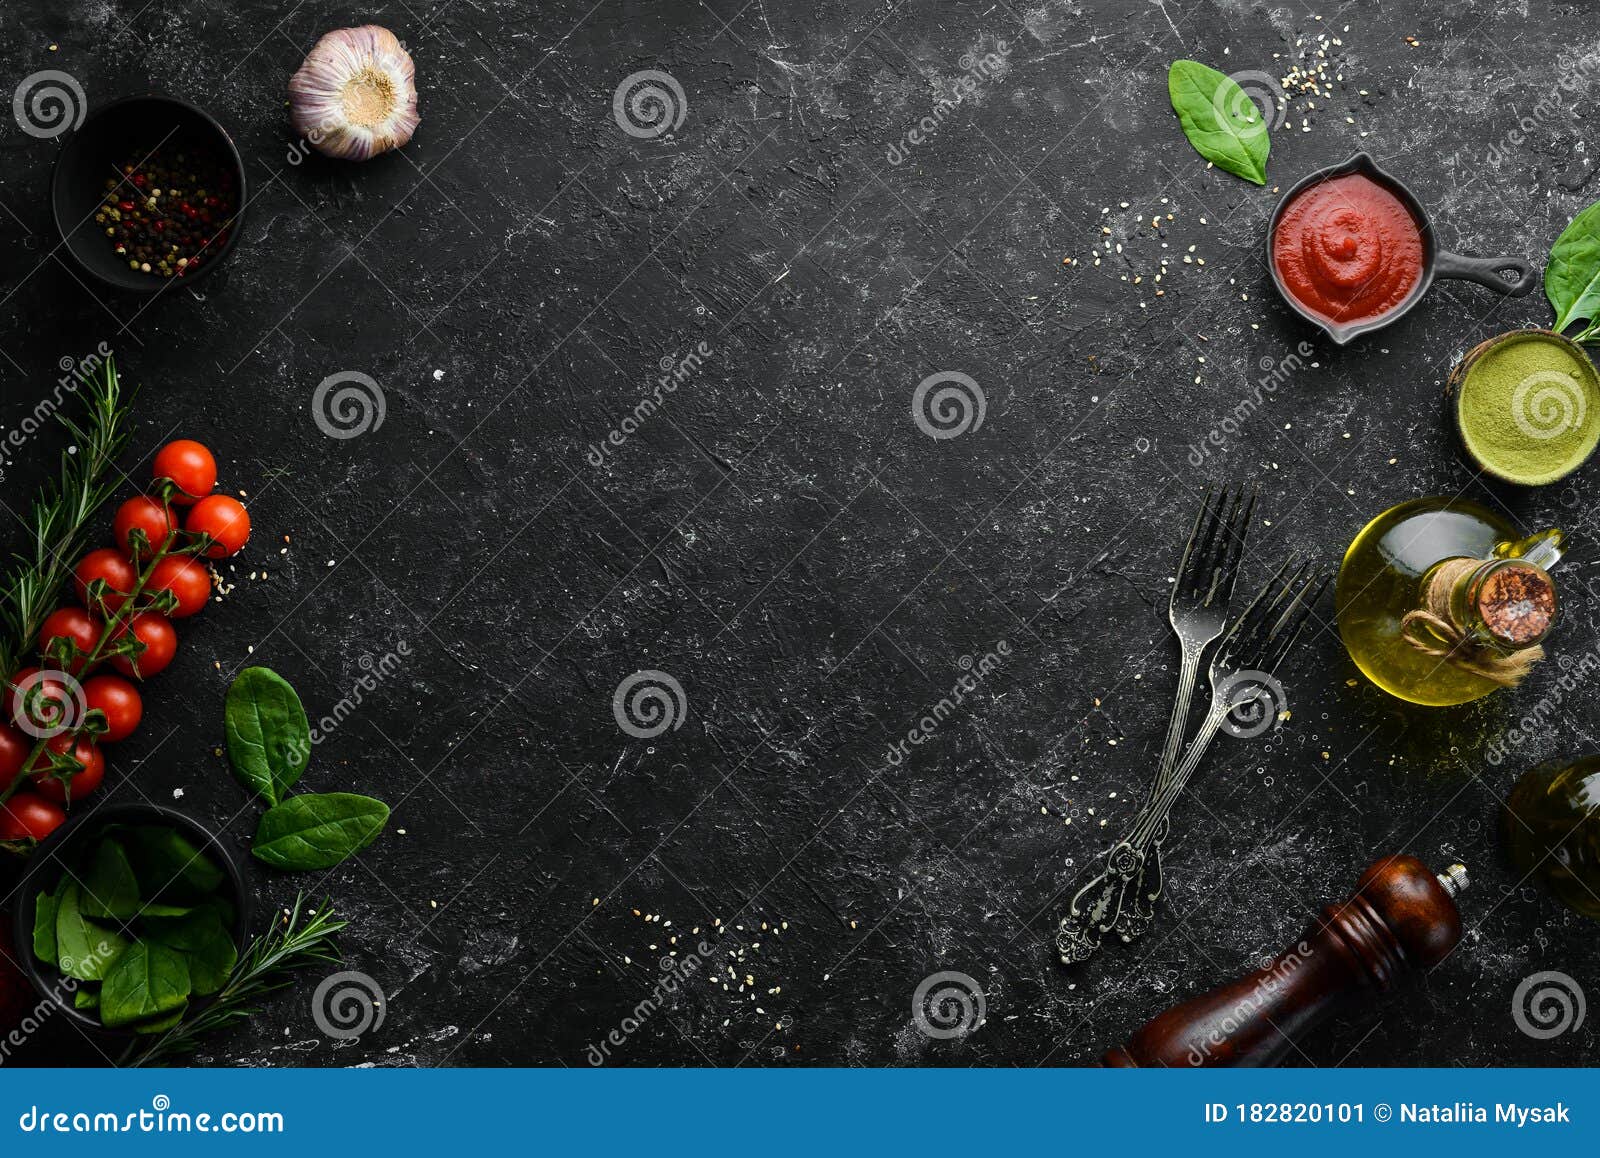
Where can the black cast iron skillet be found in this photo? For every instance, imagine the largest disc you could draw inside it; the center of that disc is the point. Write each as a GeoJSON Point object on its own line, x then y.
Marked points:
{"type": "Point", "coordinates": [48, 862]}
{"type": "Point", "coordinates": [1510, 276]}
{"type": "Point", "coordinates": [91, 154]}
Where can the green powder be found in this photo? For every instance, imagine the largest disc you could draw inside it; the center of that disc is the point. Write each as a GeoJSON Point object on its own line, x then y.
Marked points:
{"type": "Point", "coordinates": [1529, 408]}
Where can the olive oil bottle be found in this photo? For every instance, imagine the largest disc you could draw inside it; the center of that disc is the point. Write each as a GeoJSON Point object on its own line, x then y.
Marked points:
{"type": "Point", "coordinates": [1439, 601]}
{"type": "Point", "coordinates": [1552, 828]}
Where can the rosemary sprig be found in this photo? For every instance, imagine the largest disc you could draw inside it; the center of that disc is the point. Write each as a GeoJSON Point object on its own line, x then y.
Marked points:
{"type": "Point", "coordinates": [265, 967]}
{"type": "Point", "coordinates": [58, 520]}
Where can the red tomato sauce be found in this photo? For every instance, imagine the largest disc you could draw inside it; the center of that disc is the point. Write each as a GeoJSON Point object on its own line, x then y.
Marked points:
{"type": "Point", "coordinates": [1348, 249]}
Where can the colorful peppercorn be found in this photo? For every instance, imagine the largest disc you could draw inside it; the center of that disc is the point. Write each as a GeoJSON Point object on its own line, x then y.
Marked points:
{"type": "Point", "coordinates": [171, 204]}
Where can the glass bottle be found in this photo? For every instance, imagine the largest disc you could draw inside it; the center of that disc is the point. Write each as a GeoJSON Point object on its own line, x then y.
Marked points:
{"type": "Point", "coordinates": [1440, 602]}
{"type": "Point", "coordinates": [1551, 823]}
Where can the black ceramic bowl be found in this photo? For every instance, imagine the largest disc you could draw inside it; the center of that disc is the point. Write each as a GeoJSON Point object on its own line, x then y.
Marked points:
{"type": "Point", "coordinates": [48, 862]}
{"type": "Point", "coordinates": [94, 153]}
{"type": "Point", "coordinates": [1510, 276]}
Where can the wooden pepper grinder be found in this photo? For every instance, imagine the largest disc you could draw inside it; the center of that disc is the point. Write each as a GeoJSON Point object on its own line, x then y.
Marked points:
{"type": "Point", "coordinates": [1401, 917]}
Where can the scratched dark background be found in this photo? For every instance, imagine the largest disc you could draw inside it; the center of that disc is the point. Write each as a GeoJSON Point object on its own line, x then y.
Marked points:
{"type": "Point", "coordinates": [782, 538]}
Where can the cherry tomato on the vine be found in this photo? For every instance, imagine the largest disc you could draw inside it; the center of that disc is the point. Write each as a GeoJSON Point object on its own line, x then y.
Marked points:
{"type": "Point", "coordinates": [84, 781]}
{"type": "Point", "coordinates": [121, 703]}
{"type": "Point", "coordinates": [145, 514]}
{"type": "Point", "coordinates": [160, 645]}
{"type": "Point", "coordinates": [44, 703]}
{"type": "Point", "coordinates": [186, 578]}
{"type": "Point", "coordinates": [224, 520]}
{"type": "Point", "coordinates": [111, 565]}
{"type": "Point", "coordinates": [28, 815]}
{"type": "Point", "coordinates": [14, 749]}
{"type": "Point", "coordinates": [189, 466]}
{"type": "Point", "coordinates": [71, 623]}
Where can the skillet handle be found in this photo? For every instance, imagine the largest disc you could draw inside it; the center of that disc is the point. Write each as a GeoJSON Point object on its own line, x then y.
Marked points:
{"type": "Point", "coordinates": [1486, 271]}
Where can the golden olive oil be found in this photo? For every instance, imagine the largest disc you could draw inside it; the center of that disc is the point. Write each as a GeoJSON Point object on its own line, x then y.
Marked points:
{"type": "Point", "coordinates": [1552, 829]}
{"type": "Point", "coordinates": [1381, 581]}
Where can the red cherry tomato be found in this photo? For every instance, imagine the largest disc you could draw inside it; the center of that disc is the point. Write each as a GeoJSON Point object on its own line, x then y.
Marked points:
{"type": "Point", "coordinates": [14, 749]}
{"type": "Point", "coordinates": [222, 518]}
{"type": "Point", "coordinates": [84, 781]}
{"type": "Point", "coordinates": [43, 703]}
{"type": "Point", "coordinates": [108, 564]}
{"type": "Point", "coordinates": [189, 467]}
{"type": "Point", "coordinates": [186, 578]}
{"type": "Point", "coordinates": [121, 703]}
{"type": "Point", "coordinates": [146, 514]}
{"type": "Point", "coordinates": [27, 815]}
{"type": "Point", "coordinates": [71, 623]}
{"type": "Point", "coordinates": [160, 645]}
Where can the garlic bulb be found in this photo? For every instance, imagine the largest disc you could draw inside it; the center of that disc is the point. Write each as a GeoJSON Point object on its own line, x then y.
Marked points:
{"type": "Point", "coordinates": [356, 95]}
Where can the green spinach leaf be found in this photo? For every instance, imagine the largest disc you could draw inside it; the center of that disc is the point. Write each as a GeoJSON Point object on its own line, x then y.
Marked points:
{"type": "Point", "coordinates": [169, 867]}
{"type": "Point", "coordinates": [1572, 279]}
{"type": "Point", "coordinates": [317, 831]}
{"type": "Point", "coordinates": [148, 981]}
{"type": "Point", "coordinates": [205, 942]}
{"type": "Point", "coordinates": [1219, 118]}
{"type": "Point", "coordinates": [86, 950]}
{"type": "Point", "coordinates": [86, 999]}
{"type": "Point", "coordinates": [44, 927]}
{"type": "Point", "coordinates": [162, 1024]}
{"type": "Point", "coordinates": [269, 738]}
{"type": "Point", "coordinates": [109, 889]}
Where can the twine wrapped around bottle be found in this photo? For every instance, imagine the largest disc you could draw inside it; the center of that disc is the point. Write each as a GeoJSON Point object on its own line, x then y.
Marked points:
{"type": "Point", "coordinates": [1433, 631]}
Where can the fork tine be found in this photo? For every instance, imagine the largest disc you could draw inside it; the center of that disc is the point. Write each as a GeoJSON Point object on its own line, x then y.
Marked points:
{"type": "Point", "coordinates": [1194, 537]}
{"type": "Point", "coordinates": [1215, 546]}
{"type": "Point", "coordinates": [1238, 529]}
{"type": "Point", "coordinates": [1247, 623]}
{"type": "Point", "coordinates": [1291, 635]}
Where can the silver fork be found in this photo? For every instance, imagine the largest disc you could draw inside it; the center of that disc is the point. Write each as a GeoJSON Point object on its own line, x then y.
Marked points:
{"type": "Point", "coordinates": [1241, 676]}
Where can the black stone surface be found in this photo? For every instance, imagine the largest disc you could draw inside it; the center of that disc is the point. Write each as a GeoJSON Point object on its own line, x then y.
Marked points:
{"type": "Point", "coordinates": [781, 537]}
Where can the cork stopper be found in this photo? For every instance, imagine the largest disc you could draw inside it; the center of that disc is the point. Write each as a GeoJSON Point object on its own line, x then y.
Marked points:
{"type": "Point", "coordinates": [1516, 603]}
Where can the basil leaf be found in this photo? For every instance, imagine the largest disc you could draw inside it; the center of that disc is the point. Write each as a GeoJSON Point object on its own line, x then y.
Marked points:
{"type": "Point", "coordinates": [269, 738]}
{"type": "Point", "coordinates": [206, 944]}
{"type": "Point", "coordinates": [86, 999]}
{"type": "Point", "coordinates": [86, 951]}
{"type": "Point", "coordinates": [162, 1024]}
{"type": "Point", "coordinates": [168, 866]}
{"type": "Point", "coordinates": [1219, 118]}
{"type": "Point", "coordinates": [1572, 279]}
{"type": "Point", "coordinates": [317, 831]}
{"type": "Point", "coordinates": [109, 890]}
{"type": "Point", "coordinates": [148, 981]}
{"type": "Point", "coordinates": [44, 927]}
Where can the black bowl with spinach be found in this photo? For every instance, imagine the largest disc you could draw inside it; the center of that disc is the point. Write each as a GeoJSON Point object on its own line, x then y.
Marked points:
{"type": "Point", "coordinates": [129, 917]}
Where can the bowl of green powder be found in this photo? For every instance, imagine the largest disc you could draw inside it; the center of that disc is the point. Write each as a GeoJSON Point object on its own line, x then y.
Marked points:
{"type": "Point", "coordinates": [1527, 406]}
